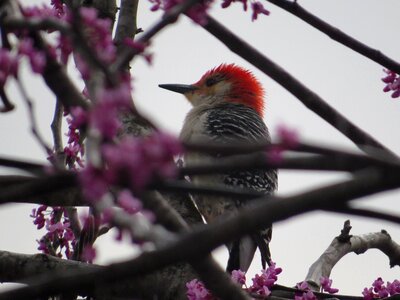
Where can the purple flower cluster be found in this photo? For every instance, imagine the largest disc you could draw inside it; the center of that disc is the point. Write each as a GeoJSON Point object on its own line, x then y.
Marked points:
{"type": "Point", "coordinates": [75, 150]}
{"type": "Point", "coordinates": [380, 290]}
{"type": "Point", "coordinates": [392, 81]}
{"type": "Point", "coordinates": [198, 12]}
{"type": "Point", "coordinates": [263, 283]}
{"type": "Point", "coordinates": [134, 162]}
{"type": "Point", "coordinates": [197, 291]}
{"type": "Point", "coordinates": [8, 65]}
{"type": "Point", "coordinates": [261, 286]}
{"type": "Point", "coordinates": [103, 118]}
{"type": "Point", "coordinates": [98, 32]}
{"type": "Point", "coordinates": [326, 285]}
{"type": "Point", "coordinates": [256, 7]}
{"type": "Point", "coordinates": [305, 293]}
{"type": "Point", "coordinates": [288, 139]}
{"type": "Point", "coordinates": [59, 235]}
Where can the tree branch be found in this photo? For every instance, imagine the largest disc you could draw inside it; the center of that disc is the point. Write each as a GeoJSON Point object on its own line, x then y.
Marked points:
{"type": "Point", "coordinates": [201, 241]}
{"type": "Point", "coordinates": [357, 244]}
{"type": "Point", "coordinates": [337, 35]}
{"type": "Point", "coordinates": [127, 23]}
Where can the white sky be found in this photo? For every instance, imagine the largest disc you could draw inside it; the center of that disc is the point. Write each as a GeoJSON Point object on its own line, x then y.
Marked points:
{"type": "Point", "coordinates": [346, 80]}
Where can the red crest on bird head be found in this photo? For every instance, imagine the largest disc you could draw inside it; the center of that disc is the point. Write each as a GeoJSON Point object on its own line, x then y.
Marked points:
{"type": "Point", "coordinates": [246, 89]}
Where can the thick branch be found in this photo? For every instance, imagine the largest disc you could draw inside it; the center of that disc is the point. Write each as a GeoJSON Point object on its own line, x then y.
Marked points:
{"type": "Point", "coordinates": [203, 240]}
{"type": "Point", "coordinates": [127, 22]}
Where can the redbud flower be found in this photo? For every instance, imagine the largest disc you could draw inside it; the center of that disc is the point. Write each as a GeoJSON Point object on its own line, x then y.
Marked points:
{"type": "Point", "coordinates": [264, 282]}
{"type": "Point", "coordinates": [326, 285]}
{"type": "Point", "coordinates": [8, 65]}
{"type": "Point", "coordinates": [392, 81]}
{"type": "Point", "coordinates": [305, 292]}
{"type": "Point", "coordinates": [197, 291]}
{"type": "Point", "coordinates": [258, 8]}
{"type": "Point", "coordinates": [288, 136]}
{"type": "Point", "coordinates": [239, 276]}
{"type": "Point", "coordinates": [129, 203]}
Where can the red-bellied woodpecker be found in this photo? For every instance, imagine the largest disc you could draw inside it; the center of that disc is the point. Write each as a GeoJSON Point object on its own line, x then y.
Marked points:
{"type": "Point", "coordinates": [228, 105]}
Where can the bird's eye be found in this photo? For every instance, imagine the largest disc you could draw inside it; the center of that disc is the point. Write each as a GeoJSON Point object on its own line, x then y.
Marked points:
{"type": "Point", "coordinates": [211, 81]}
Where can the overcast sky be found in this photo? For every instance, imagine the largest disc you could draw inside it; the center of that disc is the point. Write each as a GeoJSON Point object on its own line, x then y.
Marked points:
{"type": "Point", "coordinates": [346, 80]}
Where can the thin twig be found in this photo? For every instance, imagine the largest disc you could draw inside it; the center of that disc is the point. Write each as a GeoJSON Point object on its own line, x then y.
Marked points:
{"type": "Point", "coordinates": [32, 118]}
{"type": "Point", "coordinates": [310, 99]}
{"type": "Point", "coordinates": [336, 34]}
{"type": "Point", "coordinates": [362, 212]}
{"type": "Point", "coordinates": [58, 157]}
{"type": "Point", "coordinates": [13, 23]}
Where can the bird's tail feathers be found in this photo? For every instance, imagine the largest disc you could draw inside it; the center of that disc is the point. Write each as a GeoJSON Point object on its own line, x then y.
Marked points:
{"type": "Point", "coordinates": [241, 253]}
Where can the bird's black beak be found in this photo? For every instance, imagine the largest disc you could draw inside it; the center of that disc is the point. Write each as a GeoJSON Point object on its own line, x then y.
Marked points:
{"type": "Point", "coordinates": [179, 88]}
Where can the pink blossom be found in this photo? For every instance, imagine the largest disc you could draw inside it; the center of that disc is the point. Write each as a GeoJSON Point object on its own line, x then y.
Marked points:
{"type": "Point", "coordinates": [227, 3]}
{"type": "Point", "coordinates": [239, 276]}
{"type": "Point", "coordinates": [305, 293]}
{"type": "Point", "coordinates": [264, 282]}
{"type": "Point", "coordinates": [104, 115]}
{"type": "Point", "coordinates": [197, 291]}
{"type": "Point", "coordinates": [82, 67]}
{"type": "Point", "coordinates": [258, 8]}
{"type": "Point", "coordinates": [288, 136]}
{"type": "Point", "coordinates": [56, 227]}
{"type": "Point", "coordinates": [394, 287]}
{"type": "Point", "coordinates": [58, 6]}
{"type": "Point", "coordinates": [8, 65]}
{"type": "Point", "coordinates": [38, 62]}
{"type": "Point", "coordinates": [380, 288]}
{"type": "Point", "coordinates": [368, 294]}
{"type": "Point", "coordinates": [64, 47]}
{"type": "Point", "coordinates": [198, 12]}
{"type": "Point", "coordinates": [93, 183]}
{"type": "Point", "coordinates": [43, 11]}
{"type": "Point", "coordinates": [129, 203]}
{"type": "Point", "coordinates": [38, 215]}
{"type": "Point", "coordinates": [392, 81]}
{"type": "Point", "coordinates": [99, 34]}
{"type": "Point", "coordinates": [59, 235]}
{"type": "Point", "coordinates": [36, 57]}
{"type": "Point", "coordinates": [326, 285]}
{"type": "Point", "coordinates": [309, 295]}
{"type": "Point", "coordinates": [75, 150]}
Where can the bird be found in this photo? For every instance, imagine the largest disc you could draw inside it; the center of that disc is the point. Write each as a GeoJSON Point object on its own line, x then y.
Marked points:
{"type": "Point", "coordinates": [227, 107]}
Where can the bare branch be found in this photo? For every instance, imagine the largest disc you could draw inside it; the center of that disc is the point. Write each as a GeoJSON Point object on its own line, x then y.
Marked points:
{"type": "Point", "coordinates": [339, 36]}
{"type": "Point", "coordinates": [32, 118]}
{"type": "Point", "coordinates": [357, 244]}
{"type": "Point", "coordinates": [127, 23]}
{"type": "Point", "coordinates": [56, 127]}
{"type": "Point", "coordinates": [366, 213]}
